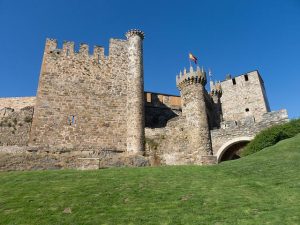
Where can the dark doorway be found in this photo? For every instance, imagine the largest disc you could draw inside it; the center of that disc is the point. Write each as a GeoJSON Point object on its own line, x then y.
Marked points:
{"type": "Point", "coordinates": [233, 152]}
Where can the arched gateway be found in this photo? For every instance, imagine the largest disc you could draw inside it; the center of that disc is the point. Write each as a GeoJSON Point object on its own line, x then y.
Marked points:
{"type": "Point", "coordinates": [229, 149]}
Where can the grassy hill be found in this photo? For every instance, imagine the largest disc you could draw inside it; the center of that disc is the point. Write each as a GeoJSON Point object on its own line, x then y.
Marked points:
{"type": "Point", "coordinates": [263, 188]}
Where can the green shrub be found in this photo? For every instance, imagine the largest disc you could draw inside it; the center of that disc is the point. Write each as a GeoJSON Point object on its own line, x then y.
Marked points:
{"type": "Point", "coordinates": [271, 136]}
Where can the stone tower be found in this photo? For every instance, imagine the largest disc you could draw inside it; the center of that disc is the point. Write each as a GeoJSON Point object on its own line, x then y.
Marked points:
{"type": "Point", "coordinates": [91, 102]}
{"type": "Point", "coordinates": [244, 96]}
{"type": "Point", "coordinates": [135, 93]}
{"type": "Point", "coordinates": [192, 91]}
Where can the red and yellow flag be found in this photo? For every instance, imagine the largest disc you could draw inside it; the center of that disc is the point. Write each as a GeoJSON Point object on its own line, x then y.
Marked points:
{"type": "Point", "coordinates": [193, 58]}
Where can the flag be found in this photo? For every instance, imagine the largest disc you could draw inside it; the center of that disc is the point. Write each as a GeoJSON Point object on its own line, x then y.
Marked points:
{"type": "Point", "coordinates": [193, 58]}
{"type": "Point", "coordinates": [209, 73]}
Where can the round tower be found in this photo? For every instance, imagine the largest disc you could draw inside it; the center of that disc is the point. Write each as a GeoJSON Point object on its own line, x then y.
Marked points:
{"type": "Point", "coordinates": [135, 93]}
{"type": "Point", "coordinates": [192, 91]}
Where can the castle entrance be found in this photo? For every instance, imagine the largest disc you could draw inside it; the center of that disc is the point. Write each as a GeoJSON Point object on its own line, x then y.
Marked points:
{"type": "Point", "coordinates": [231, 150]}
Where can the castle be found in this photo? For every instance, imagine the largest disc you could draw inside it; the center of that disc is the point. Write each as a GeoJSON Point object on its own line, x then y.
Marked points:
{"type": "Point", "coordinates": [91, 111]}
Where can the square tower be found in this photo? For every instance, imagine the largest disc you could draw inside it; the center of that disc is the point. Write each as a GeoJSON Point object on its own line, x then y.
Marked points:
{"type": "Point", "coordinates": [91, 102]}
{"type": "Point", "coordinates": [244, 96]}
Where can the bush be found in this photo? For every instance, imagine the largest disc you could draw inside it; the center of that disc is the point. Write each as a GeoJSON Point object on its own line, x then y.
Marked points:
{"type": "Point", "coordinates": [271, 136]}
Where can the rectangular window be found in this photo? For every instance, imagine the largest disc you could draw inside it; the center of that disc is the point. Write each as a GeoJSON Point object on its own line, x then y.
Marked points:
{"type": "Point", "coordinates": [233, 81]}
{"type": "Point", "coordinates": [71, 120]}
{"type": "Point", "coordinates": [246, 77]}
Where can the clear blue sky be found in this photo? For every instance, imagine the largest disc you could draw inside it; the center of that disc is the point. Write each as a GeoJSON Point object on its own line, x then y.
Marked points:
{"type": "Point", "coordinates": [229, 36]}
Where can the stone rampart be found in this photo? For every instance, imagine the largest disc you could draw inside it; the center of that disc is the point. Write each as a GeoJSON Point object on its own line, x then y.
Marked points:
{"type": "Point", "coordinates": [168, 145]}
{"type": "Point", "coordinates": [32, 158]}
{"type": "Point", "coordinates": [17, 103]}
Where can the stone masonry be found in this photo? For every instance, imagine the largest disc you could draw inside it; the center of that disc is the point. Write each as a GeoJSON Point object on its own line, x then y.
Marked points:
{"type": "Point", "coordinates": [243, 96]}
{"type": "Point", "coordinates": [17, 103]}
{"type": "Point", "coordinates": [91, 112]}
{"type": "Point", "coordinates": [192, 91]}
{"type": "Point", "coordinates": [172, 144]}
{"type": "Point", "coordinates": [91, 102]}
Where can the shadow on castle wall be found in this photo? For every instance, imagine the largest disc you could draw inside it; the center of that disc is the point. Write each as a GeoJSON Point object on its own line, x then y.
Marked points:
{"type": "Point", "coordinates": [157, 114]}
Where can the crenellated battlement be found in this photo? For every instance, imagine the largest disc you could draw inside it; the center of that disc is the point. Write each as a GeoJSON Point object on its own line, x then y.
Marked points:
{"type": "Point", "coordinates": [68, 49]}
{"type": "Point", "coordinates": [193, 77]}
{"type": "Point", "coordinates": [216, 89]}
{"type": "Point", "coordinates": [137, 32]}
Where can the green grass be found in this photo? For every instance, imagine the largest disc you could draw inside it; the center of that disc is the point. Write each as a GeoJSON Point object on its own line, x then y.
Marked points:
{"type": "Point", "coordinates": [263, 188]}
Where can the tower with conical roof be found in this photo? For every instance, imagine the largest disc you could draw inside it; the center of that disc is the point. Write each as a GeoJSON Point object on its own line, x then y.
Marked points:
{"type": "Point", "coordinates": [192, 90]}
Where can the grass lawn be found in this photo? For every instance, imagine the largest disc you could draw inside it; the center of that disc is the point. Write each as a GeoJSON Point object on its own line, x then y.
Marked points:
{"type": "Point", "coordinates": [263, 188]}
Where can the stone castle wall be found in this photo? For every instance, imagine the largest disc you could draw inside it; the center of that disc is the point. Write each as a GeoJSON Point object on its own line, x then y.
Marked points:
{"type": "Point", "coordinates": [166, 144]}
{"type": "Point", "coordinates": [247, 127]}
{"type": "Point", "coordinates": [169, 145]}
{"type": "Point", "coordinates": [81, 98]}
{"type": "Point", "coordinates": [160, 108]}
{"type": "Point", "coordinates": [16, 103]}
{"type": "Point", "coordinates": [244, 96]}
{"type": "Point", "coordinates": [15, 126]}
{"type": "Point", "coordinates": [162, 100]}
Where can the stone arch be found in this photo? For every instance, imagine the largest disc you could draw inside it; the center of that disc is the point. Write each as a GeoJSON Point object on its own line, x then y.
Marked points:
{"type": "Point", "coordinates": [231, 143]}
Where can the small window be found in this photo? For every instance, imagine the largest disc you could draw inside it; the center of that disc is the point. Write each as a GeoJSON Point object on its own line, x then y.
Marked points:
{"type": "Point", "coordinates": [233, 81]}
{"type": "Point", "coordinates": [68, 52]}
{"type": "Point", "coordinates": [247, 109]}
{"type": "Point", "coordinates": [71, 120]}
{"type": "Point", "coordinates": [98, 60]}
{"type": "Point", "coordinates": [246, 77]}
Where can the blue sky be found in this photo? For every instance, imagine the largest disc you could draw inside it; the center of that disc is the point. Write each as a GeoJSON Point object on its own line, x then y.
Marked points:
{"type": "Point", "coordinates": [232, 36]}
